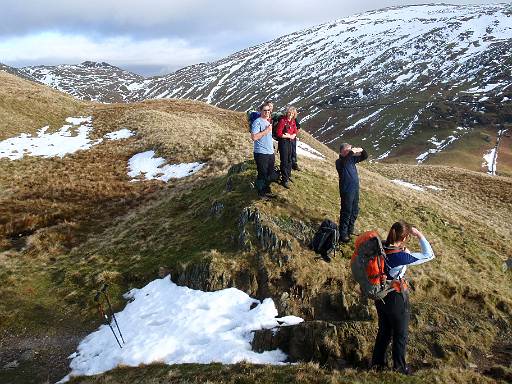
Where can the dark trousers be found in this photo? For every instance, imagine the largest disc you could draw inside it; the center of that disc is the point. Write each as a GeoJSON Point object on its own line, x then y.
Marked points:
{"type": "Point", "coordinates": [349, 210]}
{"type": "Point", "coordinates": [393, 324]}
{"type": "Point", "coordinates": [285, 155]}
{"type": "Point", "coordinates": [265, 166]}
{"type": "Point", "coordinates": [294, 153]}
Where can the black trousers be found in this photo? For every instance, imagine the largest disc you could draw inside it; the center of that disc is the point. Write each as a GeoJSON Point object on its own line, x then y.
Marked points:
{"type": "Point", "coordinates": [393, 324]}
{"type": "Point", "coordinates": [285, 155]}
{"type": "Point", "coordinates": [294, 153]}
{"type": "Point", "coordinates": [265, 166]}
{"type": "Point", "coordinates": [349, 210]}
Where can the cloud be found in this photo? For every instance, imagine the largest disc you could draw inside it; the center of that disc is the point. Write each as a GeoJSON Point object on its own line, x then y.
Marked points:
{"type": "Point", "coordinates": [123, 32]}
{"type": "Point", "coordinates": [56, 47]}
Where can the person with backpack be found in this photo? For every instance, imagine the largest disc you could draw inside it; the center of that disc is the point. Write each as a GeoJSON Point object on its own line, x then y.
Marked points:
{"type": "Point", "coordinates": [349, 188]}
{"type": "Point", "coordinates": [393, 308]}
{"type": "Point", "coordinates": [286, 132]}
{"type": "Point", "coordinates": [261, 135]}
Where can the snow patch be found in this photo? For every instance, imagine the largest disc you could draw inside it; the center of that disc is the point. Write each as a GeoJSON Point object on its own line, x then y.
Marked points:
{"type": "Point", "coordinates": [433, 187]}
{"type": "Point", "coordinates": [123, 133]}
{"type": "Point", "coordinates": [69, 139]}
{"type": "Point", "coordinates": [151, 167]}
{"type": "Point", "coordinates": [408, 185]}
{"type": "Point", "coordinates": [307, 151]}
{"type": "Point", "coordinates": [172, 324]}
{"type": "Point", "coordinates": [490, 162]}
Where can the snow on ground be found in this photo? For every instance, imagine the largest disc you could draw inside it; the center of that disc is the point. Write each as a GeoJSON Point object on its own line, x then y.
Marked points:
{"type": "Point", "coordinates": [433, 187]}
{"type": "Point", "coordinates": [167, 323]}
{"type": "Point", "coordinates": [489, 161]}
{"type": "Point", "coordinates": [408, 185]}
{"type": "Point", "coordinates": [305, 150]}
{"type": "Point", "coordinates": [151, 167]}
{"type": "Point", "coordinates": [121, 134]}
{"type": "Point", "coordinates": [442, 144]}
{"type": "Point", "coordinates": [70, 138]}
{"type": "Point", "coordinates": [416, 187]}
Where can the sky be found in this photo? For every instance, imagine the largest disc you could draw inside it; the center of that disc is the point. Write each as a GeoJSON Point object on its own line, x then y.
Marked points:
{"type": "Point", "coordinates": [155, 37]}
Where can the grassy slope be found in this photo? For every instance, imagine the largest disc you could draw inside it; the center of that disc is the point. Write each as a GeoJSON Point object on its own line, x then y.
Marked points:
{"type": "Point", "coordinates": [47, 106]}
{"type": "Point", "coordinates": [248, 373]}
{"type": "Point", "coordinates": [111, 230]}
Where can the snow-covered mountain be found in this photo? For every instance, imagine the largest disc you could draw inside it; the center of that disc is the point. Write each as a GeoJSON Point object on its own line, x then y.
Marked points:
{"type": "Point", "coordinates": [409, 80]}
{"type": "Point", "coordinates": [89, 80]}
{"type": "Point", "coordinates": [16, 72]}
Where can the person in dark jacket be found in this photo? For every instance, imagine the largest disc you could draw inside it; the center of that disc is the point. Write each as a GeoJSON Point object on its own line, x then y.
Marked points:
{"type": "Point", "coordinates": [349, 188]}
{"type": "Point", "coordinates": [393, 310]}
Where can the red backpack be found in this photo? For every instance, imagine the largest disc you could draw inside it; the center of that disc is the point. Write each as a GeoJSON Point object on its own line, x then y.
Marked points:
{"type": "Point", "coordinates": [369, 266]}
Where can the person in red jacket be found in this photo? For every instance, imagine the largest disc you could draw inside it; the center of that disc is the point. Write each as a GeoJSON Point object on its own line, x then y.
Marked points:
{"type": "Point", "coordinates": [286, 132]}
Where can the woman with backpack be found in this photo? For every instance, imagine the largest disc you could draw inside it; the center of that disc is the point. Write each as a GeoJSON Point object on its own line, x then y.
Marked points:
{"type": "Point", "coordinates": [393, 310]}
{"type": "Point", "coordinates": [286, 132]}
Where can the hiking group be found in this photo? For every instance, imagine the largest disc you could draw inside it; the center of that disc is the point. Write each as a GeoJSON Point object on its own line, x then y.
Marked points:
{"type": "Point", "coordinates": [266, 127]}
{"type": "Point", "coordinates": [377, 266]}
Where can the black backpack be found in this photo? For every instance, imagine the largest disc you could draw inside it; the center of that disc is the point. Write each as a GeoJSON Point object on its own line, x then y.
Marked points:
{"type": "Point", "coordinates": [325, 239]}
{"type": "Point", "coordinates": [276, 117]}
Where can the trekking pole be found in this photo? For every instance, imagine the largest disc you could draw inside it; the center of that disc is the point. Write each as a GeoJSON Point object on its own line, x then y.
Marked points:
{"type": "Point", "coordinates": [104, 291]}
{"type": "Point", "coordinates": [104, 316]}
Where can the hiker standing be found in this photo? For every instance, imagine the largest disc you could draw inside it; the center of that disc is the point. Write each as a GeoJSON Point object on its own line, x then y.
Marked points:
{"type": "Point", "coordinates": [349, 188]}
{"type": "Point", "coordinates": [286, 132]}
{"type": "Point", "coordinates": [393, 310]}
{"type": "Point", "coordinates": [261, 134]}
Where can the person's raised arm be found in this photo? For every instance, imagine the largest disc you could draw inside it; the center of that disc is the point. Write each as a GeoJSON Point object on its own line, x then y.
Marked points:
{"type": "Point", "coordinates": [426, 253]}
{"type": "Point", "coordinates": [359, 154]}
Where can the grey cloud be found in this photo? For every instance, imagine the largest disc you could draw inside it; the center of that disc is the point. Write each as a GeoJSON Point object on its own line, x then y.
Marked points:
{"type": "Point", "coordinates": [191, 19]}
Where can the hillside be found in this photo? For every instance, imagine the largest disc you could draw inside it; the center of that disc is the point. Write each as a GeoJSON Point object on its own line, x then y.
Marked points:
{"type": "Point", "coordinates": [71, 223]}
{"type": "Point", "coordinates": [417, 84]}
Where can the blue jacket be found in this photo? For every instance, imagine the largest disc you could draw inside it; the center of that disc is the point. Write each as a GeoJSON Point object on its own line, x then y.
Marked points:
{"type": "Point", "coordinates": [347, 171]}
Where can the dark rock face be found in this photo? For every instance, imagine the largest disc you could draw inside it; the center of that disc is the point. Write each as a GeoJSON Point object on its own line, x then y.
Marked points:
{"type": "Point", "coordinates": [332, 344]}
{"type": "Point", "coordinates": [268, 240]}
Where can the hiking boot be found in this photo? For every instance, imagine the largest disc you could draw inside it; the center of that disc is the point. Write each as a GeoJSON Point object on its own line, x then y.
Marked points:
{"type": "Point", "coordinates": [295, 167]}
{"type": "Point", "coordinates": [344, 239]}
{"type": "Point", "coordinates": [285, 184]}
{"type": "Point", "coordinates": [326, 258]}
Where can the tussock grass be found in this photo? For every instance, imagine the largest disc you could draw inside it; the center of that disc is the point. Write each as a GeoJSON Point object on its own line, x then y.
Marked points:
{"type": "Point", "coordinates": [249, 373]}
{"type": "Point", "coordinates": [25, 106]}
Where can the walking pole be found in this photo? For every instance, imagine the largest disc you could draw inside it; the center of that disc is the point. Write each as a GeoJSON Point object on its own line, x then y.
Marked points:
{"type": "Point", "coordinates": [103, 315]}
{"type": "Point", "coordinates": [104, 291]}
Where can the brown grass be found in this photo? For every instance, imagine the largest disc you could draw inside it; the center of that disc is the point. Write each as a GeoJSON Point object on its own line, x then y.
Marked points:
{"type": "Point", "coordinates": [26, 107]}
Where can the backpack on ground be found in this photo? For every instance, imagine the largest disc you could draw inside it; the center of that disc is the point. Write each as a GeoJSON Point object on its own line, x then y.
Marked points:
{"type": "Point", "coordinates": [325, 239]}
{"type": "Point", "coordinates": [369, 266]}
{"type": "Point", "coordinates": [251, 117]}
